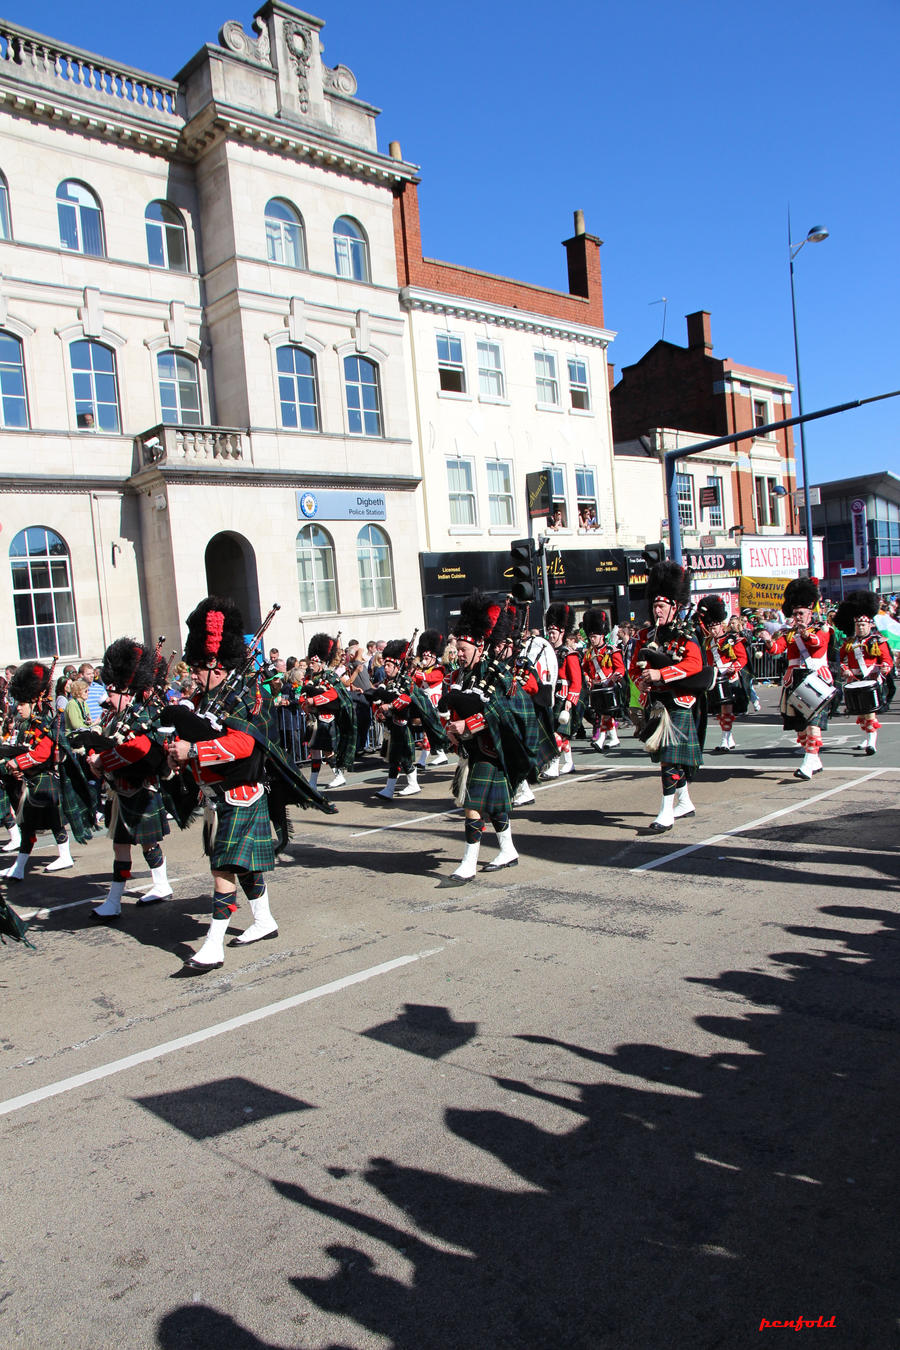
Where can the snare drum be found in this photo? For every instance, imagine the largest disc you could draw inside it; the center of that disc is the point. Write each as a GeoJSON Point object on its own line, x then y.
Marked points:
{"type": "Point", "coordinates": [862, 697]}
{"type": "Point", "coordinates": [606, 699]}
{"type": "Point", "coordinates": [807, 697]}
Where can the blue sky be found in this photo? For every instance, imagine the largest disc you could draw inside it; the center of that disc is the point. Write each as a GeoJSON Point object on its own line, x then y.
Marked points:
{"type": "Point", "coordinates": [683, 130]}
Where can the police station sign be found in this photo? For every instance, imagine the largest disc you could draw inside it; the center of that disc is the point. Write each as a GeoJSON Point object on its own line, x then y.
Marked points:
{"type": "Point", "coordinates": [340, 505]}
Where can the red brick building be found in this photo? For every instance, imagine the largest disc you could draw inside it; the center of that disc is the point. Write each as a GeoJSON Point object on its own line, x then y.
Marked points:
{"type": "Point", "coordinates": [688, 389]}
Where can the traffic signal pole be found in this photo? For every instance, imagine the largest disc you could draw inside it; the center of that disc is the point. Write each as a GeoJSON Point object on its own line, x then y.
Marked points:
{"type": "Point", "coordinates": [672, 457]}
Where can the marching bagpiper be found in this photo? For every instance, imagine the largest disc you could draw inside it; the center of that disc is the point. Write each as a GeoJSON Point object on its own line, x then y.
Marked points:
{"type": "Point", "coordinates": [560, 625]}
{"type": "Point", "coordinates": [398, 703]}
{"type": "Point", "coordinates": [128, 753]}
{"type": "Point", "coordinates": [429, 678]}
{"type": "Point", "coordinates": [667, 667]}
{"type": "Point", "coordinates": [728, 697]}
{"type": "Point", "coordinates": [605, 678]}
{"type": "Point", "coordinates": [485, 724]}
{"type": "Point", "coordinates": [328, 699]}
{"type": "Point", "coordinates": [865, 661]}
{"type": "Point", "coordinates": [808, 687]}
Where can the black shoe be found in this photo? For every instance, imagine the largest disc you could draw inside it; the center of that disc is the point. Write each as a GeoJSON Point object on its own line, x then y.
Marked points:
{"type": "Point", "coordinates": [499, 867]}
{"type": "Point", "coordinates": [236, 941]}
{"type": "Point", "coordinates": [446, 883]}
{"type": "Point", "coordinates": [798, 773]}
{"type": "Point", "coordinates": [656, 828]}
{"type": "Point", "coordinates": [870, 749]}
{"type": "Point", "coordinates": [105, 918]}
{"type": "Point", "coordinates": [192, 967]}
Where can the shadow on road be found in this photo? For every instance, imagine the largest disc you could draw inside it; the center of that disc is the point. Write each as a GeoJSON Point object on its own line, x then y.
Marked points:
{"type": "Point", "coordinates": [693, 1195]}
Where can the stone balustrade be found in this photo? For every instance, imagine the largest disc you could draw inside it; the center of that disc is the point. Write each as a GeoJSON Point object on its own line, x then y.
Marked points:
{"type": "Point", "coordinates": [31, 59]}
{"type": "Point", "coordinates": [191, 445]}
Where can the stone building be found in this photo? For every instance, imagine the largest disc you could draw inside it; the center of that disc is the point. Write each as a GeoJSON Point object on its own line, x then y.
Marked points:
{"type": "Point", "coordinates": [203, 378]}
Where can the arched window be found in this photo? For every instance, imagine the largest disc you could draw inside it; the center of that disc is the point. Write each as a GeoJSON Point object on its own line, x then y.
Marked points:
{"type": "Point", "coordinates": [5, 228]}
{"type": "Point", "coordinates": [351, 250]}
{"type": "Point", "coordinates": [13, 399]}
{"type": "Point", "coordinates": [315, 571]}
{"type": "Point", "coordinates": [363, 396]}
{"type": "Point", "coordinates": [284, 234]}
{"type": "Point", "coordinates": [95, 385]}
{"type": "Point", "coordinates": [179, 389]}
{"type": "Point", "coordinates": [80, 219]}
{"type": "Point", "coordinates": [373, 558]}
{"type": "Point", "coordinates": [42, 594]}
{"type": "Point", "coordinates": [298, 393]}
{"type": "Point", "coordinates": [166, 237]}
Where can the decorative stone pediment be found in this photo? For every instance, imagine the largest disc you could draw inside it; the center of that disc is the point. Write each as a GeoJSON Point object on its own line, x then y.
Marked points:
{"type": "Point", "coordinates": [233, 37]}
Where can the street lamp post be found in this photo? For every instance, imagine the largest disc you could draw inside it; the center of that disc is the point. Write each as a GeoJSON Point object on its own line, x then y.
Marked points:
{"type": "Point", "coordinates": [814, 236]}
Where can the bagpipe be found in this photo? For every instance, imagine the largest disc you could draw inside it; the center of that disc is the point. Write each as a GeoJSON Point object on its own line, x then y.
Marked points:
{"type": "Point", "coordinates": [191, 724]}
{"type": "Point", "coordinates": [667, 645]}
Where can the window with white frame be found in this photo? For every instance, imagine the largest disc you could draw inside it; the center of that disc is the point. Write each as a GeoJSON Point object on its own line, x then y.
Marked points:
{"type": "Point", "coordinates": [80, 219]}
{"type": "Point", "coordinates": [285, 243]}
{"type": "Point", "coordinates": [762, 414]}
{"type": "Point", "coordinates": [766, 500]}
{"type": "Point", "coordinates": [545, 378]}
{"type": "Point", "coordinates": [179, 389]}
{"type": "Point", "coordinates": [13, 397]}
{"type": "Point", "coordinates": [558, 519]}
{"type": "Point", "coordinates": [166, 237]}
{"type": "Point", "coordinates": [491, 383]}
{"type": "Point", "coordinates": [451, 368]}
{"type": "Point", "coordinates": [315, 571]}
{"type": "Point", "coordinates": [586, 494]}
{"type": "Point", "coordinates": [95, 386]}
{"type": "Point", "coordinates": [363, 395]}
{"type": "Point", "coordinates": [43, 599]}
{"type": "Point", "coordinates": [579, 389]}
{"type": "Point", "coordinates": [684, 492]}
{"type": "Point", "coordinates": [351, 250]}
{"type": "Point", "coordinates": [298, 395]}
{"type": "Point", "coordinates": [714, 517]}
{"type": "Point", "coordinates": [373, 559]}
{"type": "Point", "coordinates": [461, 491]}
{"type": "Point", "coordinates": [500, 492]}
{"type": "Point", "coordinates": [5, 227]}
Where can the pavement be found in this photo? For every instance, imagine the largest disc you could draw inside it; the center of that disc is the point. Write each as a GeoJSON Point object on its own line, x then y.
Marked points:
{"type": "Point", "coordinates": [636, 1091]}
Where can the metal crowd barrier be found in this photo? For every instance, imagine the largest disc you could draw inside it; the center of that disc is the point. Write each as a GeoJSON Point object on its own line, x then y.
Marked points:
{"type": "Point", "coordinates": [764, 666]}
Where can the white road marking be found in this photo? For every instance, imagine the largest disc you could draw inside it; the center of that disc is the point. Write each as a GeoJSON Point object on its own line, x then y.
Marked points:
{"type": "Point", "coordinates": [208, 1033]}
{"type": "Point", "coordinates": [540, 787]}
{"type": "Point", "coordinates": [752, 824]}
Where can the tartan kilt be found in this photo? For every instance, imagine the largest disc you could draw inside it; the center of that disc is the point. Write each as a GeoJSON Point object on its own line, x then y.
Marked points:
{"type": "Point", "coordinates": [487, 789]}
{"type": "Point", "coordinates": [686, 753]}
{"type": "Point", "coordinates": [401, 747]}
{"type": "Point", "coordinates": [39, 804]}
{"type": "Point", "coordinates": [6, 807]}
{"type": "Point", "coordinates": [323, 737]}
{"type": "Point", "coordinates": [243, 840]}
{"type": "Point", "coordinates": [140, 818]}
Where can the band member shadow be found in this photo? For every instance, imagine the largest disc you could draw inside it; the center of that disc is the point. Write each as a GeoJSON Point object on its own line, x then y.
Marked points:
{"type": "Point", "coordinates": [703, 1186]}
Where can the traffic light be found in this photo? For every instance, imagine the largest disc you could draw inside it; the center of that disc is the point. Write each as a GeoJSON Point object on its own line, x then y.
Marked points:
{"type": "Point", "coordinates": [524, 570]}
{"type": "Point", "coordinates": [653, 554]}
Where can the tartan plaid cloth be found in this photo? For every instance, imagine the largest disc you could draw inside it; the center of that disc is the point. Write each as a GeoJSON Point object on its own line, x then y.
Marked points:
{"type": "Point", "coordinates": [139, 818]}
{"type": "Point", "coordinates": [686, 752]}
{"type": "Point", "coordinates": [243, 839]}
{"type": "Point", "coordinates": [487, 789]}
{"type": "Point", "coordinates": [401, 745]}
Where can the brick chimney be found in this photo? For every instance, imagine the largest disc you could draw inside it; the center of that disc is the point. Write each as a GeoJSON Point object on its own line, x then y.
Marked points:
{"type": "Point", "coordinates": [583, 259]}
{"type": "Point", "coordinates": [698, 331]}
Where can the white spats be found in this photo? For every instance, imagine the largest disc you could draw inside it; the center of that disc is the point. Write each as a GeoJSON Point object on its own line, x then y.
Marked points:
{"type": "Point", "coordinates": [212, 953]}
{"type": "Point", "coordinates": [507, 857]}
{"type": "Point", "coordinates": [263, 925]}
{"type": "Point", "coordinates": [338, 780]}
{"type": "Point", "coordinates": [566, 763]}
{"type": "Point", "coordinates": [388, 790]}
{"type": "Point", "coordinates": [683, 804]}
{"type": "Point", "coordinates": [438, 759]}
{"type": "Point", "coordinates": [160, 890]}
{"type": "Point", "coordinates": [466, 869]}
{"type": "Point", "coordinates": [412, 785]}
{"type": "Point", "coordinates": [552, 769]}
{"type": "Point", "coordinates": [666, 818]}
{"type": "Point", "coordinates": [523, 794]}
{"type": "Point", "coordinates": [811, 764]}
{"type": "Point", "coordinates": [17, 871]}
{"type": "Point", "coordinates": [422, 762]}
{"type": "Point", "coordinates": [62, 861]}
{"type": "Point", "coordinates": [15, 839]}
{"type": "Point", "coordinates": [112, 905]}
